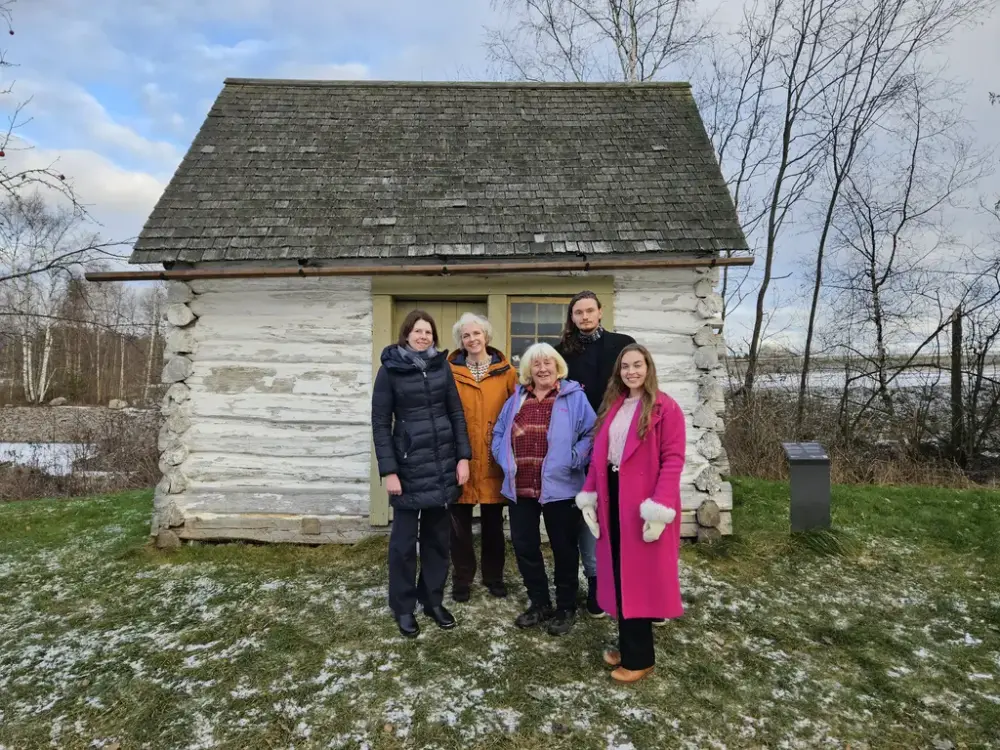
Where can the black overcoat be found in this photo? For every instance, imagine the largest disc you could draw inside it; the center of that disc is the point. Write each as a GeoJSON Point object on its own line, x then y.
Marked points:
{"type": "Point", "coordinates": [418, 426]}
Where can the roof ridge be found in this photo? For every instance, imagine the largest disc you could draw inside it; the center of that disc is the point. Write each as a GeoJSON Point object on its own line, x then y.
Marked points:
{"type": "Point", "coordinates": [454, 84]}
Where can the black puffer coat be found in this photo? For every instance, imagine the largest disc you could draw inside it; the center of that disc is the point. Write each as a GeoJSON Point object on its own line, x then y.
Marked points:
{"type": "Point", "coordinates": [419, 429]}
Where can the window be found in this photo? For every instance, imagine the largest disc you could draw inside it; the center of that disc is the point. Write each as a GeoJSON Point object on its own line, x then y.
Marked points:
{"type": "Point", "coordinates": [534, 319]}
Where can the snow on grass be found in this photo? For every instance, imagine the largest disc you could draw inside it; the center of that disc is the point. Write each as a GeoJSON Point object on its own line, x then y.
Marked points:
{"type": "Point", "coordinates": [223, 647]}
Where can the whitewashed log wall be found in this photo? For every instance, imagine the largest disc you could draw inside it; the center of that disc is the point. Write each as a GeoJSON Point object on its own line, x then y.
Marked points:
{"type": "Point", "coordinates": [267, 428]}
{"type": "Point", "coordinates": [676, 314]}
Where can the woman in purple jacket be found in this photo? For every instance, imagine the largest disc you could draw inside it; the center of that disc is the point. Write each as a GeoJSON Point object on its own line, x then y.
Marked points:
{"type": "Point", "coordinates": [542, 442]}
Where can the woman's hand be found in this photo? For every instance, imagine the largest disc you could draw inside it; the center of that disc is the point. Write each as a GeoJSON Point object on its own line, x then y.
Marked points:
{"type": "Point", "coordinates": [392, 485]}
{"type": "Point", "coordinates": [462, 472]}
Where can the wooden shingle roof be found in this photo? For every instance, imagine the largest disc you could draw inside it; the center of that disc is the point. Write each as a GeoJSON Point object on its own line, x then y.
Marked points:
{"type": "Point", "coordinates": [363, 170]}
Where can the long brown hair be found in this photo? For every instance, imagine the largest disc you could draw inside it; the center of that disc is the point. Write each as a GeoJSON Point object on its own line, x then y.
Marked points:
{"type": "Point", "coordinates": [569, 343]}
{"type": "Point", "coordinates": [617, 388]}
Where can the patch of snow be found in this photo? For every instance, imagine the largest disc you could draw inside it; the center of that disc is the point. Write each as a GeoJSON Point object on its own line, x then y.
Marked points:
{"type": "Point", "coordinates": [639, 714]}
{"type": "Point", "coordinates": [967, 640]}
{"type": "Point", "coordinates": [204, 734]}
{"type": "Point", "coordinates": [614, 743]}
{"type": "Point", "coordinates": [400, 717]}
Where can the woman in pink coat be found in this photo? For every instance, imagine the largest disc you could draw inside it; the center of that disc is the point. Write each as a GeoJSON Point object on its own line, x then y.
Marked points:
{"type": "Point", "coordinates": [632, 503]}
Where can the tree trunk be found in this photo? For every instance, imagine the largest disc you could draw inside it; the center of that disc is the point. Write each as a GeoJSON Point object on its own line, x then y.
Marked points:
{"type": "Point", "coordinates": [121, 367]}
{"type": "Point", "coordinates": [98, 366]}
{"type": "Point", "coordinates": [44, 378]}
{"type": "Point", "coordinates": [154, 330]}
{"type": "Point", "coordinates": [27, 375]}
{"type": "Point", "coordinates": [957, 406]}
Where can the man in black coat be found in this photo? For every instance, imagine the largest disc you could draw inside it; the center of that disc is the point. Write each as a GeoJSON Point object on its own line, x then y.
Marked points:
{"type": "Point", "coordinates": [423, 453]}
{"type": "Point", "coordinates": [590, 352]}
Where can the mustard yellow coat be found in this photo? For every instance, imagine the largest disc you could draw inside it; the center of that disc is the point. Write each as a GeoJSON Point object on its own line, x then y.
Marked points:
{"type": "Point", "coordinates": [482, 403]}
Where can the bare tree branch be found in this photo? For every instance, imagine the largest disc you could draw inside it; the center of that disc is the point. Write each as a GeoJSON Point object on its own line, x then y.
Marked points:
{"type": "Point", "coordinates": [581, 40]}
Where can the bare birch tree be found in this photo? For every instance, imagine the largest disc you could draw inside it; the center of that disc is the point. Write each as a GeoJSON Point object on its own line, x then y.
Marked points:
{"type": "Point", "coordinates": [880, 70]}
{"type": "Point", "coordinates": [976, 426]}
{"type": "Point", "coordinates": [741, 116]}
{"type": "Point", "coordinates": [31, 234]}
{"type": "Point", "coordinates": [897, 287]}
{"type": "Point", "coordinates": [586, 40]}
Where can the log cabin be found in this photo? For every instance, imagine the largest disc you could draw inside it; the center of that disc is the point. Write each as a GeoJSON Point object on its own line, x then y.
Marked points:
{"type": "Point", "coordinates": [308, 217]}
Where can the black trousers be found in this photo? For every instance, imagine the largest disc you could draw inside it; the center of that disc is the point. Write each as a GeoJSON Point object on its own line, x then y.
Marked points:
{"type": "Point", "coordinates": [562, 524]}
{"type": "Point", "coordinates": [463, 551]}
{"type": "Point", "coordinates": [635, 635]}
{"type": "Point", "coordinates": [432, 528]}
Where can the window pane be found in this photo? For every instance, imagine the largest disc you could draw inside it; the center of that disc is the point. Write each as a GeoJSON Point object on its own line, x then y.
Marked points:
{"type": "Point", "coordinates": [549, 312]}
{"type": "Point", "coordinates": [531, 321]}
{"type": "Point", "coordinates": [519, 345]}
{"type": "Point", "coordinates": [522, 312]}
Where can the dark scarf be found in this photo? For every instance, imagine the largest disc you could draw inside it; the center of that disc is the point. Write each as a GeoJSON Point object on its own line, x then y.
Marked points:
{"type": "Point", "coordinates": [589, 338]}
{"type": "Point", "coordinates": [420, 359]}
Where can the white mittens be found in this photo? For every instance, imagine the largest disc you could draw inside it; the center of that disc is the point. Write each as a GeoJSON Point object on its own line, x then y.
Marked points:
{"type": "Point", "coordinates": [656, 517]}
{"type": "Point", "coordinates": [587, 503]}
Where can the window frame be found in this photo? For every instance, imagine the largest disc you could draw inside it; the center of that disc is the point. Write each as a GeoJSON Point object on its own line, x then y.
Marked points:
{"type": "Point", "coordinates": [562, 300]}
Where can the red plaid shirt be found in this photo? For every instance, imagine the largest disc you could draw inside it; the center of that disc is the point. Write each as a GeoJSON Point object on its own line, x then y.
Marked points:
{"type": "Point", "coordinates": [530, 441]}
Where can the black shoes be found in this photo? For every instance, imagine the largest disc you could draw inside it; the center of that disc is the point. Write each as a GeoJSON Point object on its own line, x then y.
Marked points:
{"type": "Point", "coordinates": [562, 623]}
{"type": "Point", "coordinates": [592, 607]}
{"type": "Point", "coordinates": [410, 628]}
{"type": "Point", "coordinates": [462, 594]}
{"type": "Point", "coordinates": [408, 625]}
{"type": "Point", "coordinates": [534, 616]}
{"type": "Point", "coordinates": [499, 590]}
{"type": "Point", "coordinates": [444, 619]}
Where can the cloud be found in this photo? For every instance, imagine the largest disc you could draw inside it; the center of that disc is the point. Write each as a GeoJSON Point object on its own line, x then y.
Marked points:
{"type": "Point", "coordinates": [324, 71]}
{"type": "Point", "coordinates": [161, 108]}
{"type": "Point", "coordinates": [119, 199]}
{"type": "Point", "coordinates": [121, 86]}
{"type": "Point", "coordinates": [91, 124]}
{"type": "Point", "coordinates": [245, 49]}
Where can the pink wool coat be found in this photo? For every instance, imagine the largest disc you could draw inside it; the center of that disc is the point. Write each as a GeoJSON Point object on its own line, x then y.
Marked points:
{"type": "Point", "coordinates": [649, 482]}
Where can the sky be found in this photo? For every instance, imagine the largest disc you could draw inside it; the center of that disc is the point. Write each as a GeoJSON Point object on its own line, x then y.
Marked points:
{"type": "Point", "coordinates": [117, 89]}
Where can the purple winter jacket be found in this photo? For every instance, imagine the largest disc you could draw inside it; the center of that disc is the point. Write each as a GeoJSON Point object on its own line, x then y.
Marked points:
{"type": "Point", "coordinates": [564, 469]}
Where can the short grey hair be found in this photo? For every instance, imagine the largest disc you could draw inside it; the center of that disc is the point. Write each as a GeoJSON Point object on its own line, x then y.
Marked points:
{"type": "Point", "coordinates": [540, 350]}
{"type": "Point", "coordinates": [466, 319]}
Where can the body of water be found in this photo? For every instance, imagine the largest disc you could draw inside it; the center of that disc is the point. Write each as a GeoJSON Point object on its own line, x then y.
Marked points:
{"type": "Point", "coordinates": [55, 459]}
{"type": "Point", "coordinates": [834, 380]}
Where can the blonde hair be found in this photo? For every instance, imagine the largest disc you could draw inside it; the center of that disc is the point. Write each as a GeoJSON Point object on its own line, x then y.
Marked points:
{"type": "Point", "coordinates": [466, 319]}
{"type": "Point", "coordinates": [540, 350]}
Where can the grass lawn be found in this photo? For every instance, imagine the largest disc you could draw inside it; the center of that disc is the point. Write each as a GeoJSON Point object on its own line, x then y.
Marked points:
{"type": "Point", "coordinates": [884, 634]}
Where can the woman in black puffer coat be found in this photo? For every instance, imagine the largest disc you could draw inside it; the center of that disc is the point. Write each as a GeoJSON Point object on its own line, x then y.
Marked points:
{"type": "Point", "coordinates": [423, 453]}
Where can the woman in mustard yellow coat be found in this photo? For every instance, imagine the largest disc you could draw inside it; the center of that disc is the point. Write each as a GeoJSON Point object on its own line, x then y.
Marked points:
{"type": "Point", "coordinates": [485, 380]}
